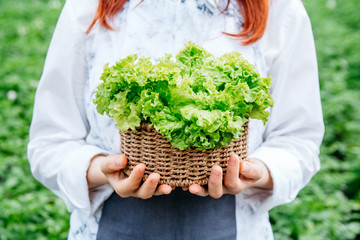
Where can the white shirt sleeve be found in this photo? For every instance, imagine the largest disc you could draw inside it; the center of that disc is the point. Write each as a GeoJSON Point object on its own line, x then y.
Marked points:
{"type": "Point", "coordinates": [58, 153]}
{"type": "Point", "coordinates": [295, 129]}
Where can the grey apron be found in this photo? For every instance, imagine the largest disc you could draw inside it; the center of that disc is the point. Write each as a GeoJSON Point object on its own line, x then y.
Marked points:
{"type": "Point", "coordinates": [177, 216]}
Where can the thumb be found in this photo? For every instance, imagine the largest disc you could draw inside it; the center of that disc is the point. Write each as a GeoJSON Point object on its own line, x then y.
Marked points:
{"type": "Point", "coordinates": [113, 163]}
{"type": "Point", "coordinates": [251, 169]}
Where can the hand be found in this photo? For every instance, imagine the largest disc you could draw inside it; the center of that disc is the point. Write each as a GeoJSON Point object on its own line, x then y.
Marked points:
{"type": "Point", "coordinates": [107, 170]}
{"type": "Point", "coordinates": [238, 177]}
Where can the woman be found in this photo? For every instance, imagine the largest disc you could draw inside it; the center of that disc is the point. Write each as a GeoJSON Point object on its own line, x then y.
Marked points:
{"type": "Point", "coordinates": [74, 151]}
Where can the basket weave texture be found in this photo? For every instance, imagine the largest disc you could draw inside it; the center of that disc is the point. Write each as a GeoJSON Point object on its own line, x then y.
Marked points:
{"type": "Point", "coordinates": [176, 167]}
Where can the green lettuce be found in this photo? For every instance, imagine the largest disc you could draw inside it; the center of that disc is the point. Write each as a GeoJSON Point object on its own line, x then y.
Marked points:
{"type": "Point", "coordinates": [196, 100]}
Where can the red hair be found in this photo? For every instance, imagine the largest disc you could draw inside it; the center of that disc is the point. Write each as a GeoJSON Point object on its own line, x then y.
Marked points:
{"type": "Point", "coordinates": [254, 12]}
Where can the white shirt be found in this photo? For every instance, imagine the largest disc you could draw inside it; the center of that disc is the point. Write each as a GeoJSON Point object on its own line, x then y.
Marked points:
{"type": "Point", "coordinates": [66, 131]}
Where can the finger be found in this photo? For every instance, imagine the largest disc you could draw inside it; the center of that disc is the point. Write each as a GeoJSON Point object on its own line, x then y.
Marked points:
{"type": "Point", "coordinates": [198, 190]}
{"type": "Point", "coordinates": [231, 179]}
{"type": "Point", "coordinates": [136, 176]}
{"type": "Point", "coordinates": [163, 189]}
{"type": "Point", "coordinates": [128, 186]}
{"type": "Point", "coordinates": [185, 188]}
{"type": "Point", "coordinates": [215, 186]}
{"type": "Point", "coordinates": [251, 170]}
{"type": "Point", "coordinates": [264, 178]}
{"type": "Point", "coordinates": [148, 188]}
{"type": "Point", "coordinates": [113, 163]}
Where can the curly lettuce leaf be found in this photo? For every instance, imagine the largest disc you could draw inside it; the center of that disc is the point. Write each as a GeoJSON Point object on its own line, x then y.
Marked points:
{"type": "Point", "coordinates": [196, 101]}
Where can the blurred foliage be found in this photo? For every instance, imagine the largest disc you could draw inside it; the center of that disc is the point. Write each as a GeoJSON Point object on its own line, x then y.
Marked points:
{"type": "Point", "coordinates": [328, 208]}
{"type": "Point", "coordinates": [27, 209]}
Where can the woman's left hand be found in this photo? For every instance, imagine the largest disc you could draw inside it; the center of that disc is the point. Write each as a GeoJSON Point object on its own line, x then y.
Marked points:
{"type": "Point", "coordinates": [238, 177]}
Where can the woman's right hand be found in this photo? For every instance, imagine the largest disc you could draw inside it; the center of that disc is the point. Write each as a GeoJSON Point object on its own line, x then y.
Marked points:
{"type": "Point", "coordinates": [107, 170]}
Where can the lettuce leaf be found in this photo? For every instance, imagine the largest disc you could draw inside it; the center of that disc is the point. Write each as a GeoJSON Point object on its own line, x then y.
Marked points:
{"type": "Point", "coordinates": [196, 100]}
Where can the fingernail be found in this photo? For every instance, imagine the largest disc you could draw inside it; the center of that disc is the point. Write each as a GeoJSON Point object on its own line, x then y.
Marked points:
{"type": "Point", "coordinates": [215, 173]}
{"type": "Point", "coordinates": [244, 167]}
{"type": "Point", "coordinates": [195, 190]}
{"type": "Point", "coordinates": [119, 161]}
{"type": "Point", "coordinates": [232, 161]}
{"type": "Point", "coordinates": [168, 190]}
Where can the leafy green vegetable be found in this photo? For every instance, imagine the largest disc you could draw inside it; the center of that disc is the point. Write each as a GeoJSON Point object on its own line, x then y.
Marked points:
{"type": "Point", "coordinates": [197, 100]}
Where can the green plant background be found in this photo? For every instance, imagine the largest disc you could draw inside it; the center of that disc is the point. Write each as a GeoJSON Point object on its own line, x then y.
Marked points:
{"type": "Point", "coordinates": [328, 208]}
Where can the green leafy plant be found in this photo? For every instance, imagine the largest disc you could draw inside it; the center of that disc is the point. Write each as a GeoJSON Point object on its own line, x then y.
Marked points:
{"type": "Point", "coordinates": [197, 100]}
{"type": "Point", "coordinates": [329, 206]}
{"type": "Point", "coordinates": [27, 209]}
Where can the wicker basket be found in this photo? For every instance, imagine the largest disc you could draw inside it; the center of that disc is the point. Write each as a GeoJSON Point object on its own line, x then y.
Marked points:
{"type": "Point", "coordinates": [176, 167]}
